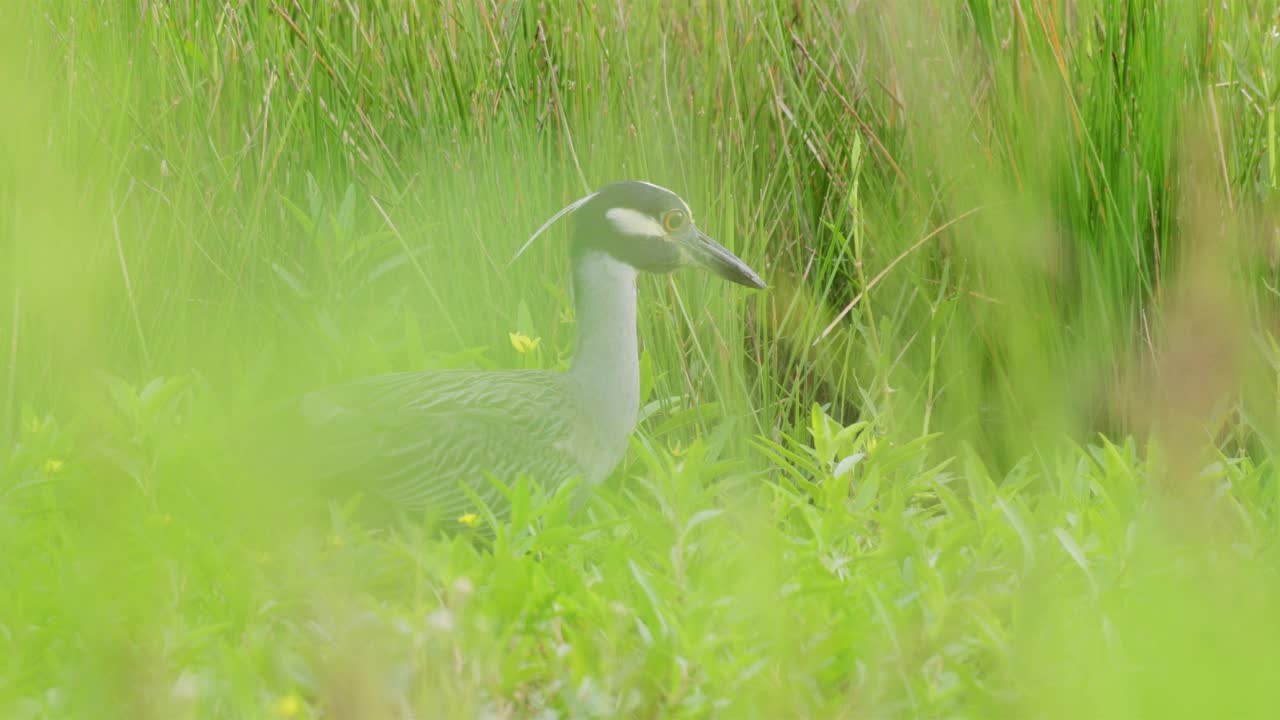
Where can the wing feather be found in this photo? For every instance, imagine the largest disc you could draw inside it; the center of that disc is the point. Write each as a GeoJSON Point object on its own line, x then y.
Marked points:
{"type": "Point", "coordinates": [417, 439]}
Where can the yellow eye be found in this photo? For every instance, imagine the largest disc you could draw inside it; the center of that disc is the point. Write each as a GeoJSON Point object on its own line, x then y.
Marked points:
{"type": "Point", "coordinates": [674, 220]}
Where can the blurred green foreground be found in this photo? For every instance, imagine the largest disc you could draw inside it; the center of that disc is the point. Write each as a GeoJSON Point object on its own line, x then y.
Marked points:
{"type": "Point", "coordinates": [1000, 440]}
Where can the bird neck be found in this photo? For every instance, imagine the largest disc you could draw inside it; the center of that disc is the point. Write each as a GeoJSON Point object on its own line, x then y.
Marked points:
{"type": "Point", "coordinates": [607, 362]}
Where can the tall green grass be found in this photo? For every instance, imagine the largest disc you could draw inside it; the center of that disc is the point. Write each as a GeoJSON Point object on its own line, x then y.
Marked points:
{"type": "Point", "coordinates": [999, 441]}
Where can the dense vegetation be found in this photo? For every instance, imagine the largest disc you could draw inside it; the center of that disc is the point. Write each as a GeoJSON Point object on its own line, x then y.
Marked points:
{"type": "Point", "coordinates": [1000, 440]}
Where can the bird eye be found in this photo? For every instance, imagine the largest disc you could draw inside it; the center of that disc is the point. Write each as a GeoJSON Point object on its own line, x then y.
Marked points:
{"type": "Point", "coordinates": [674, 220]}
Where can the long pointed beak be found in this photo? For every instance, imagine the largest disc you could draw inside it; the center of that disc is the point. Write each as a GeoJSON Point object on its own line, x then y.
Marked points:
{"type": "Point", "coordinates": [715, 257]}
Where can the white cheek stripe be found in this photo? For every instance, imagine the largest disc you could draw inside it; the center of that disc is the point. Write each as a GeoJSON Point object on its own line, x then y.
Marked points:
{"type": "Point", "coordinates": [634, 222]}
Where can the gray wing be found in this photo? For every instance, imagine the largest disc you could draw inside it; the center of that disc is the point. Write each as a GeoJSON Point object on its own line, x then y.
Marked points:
{"type": "Point", "coordinates": [417, 439]}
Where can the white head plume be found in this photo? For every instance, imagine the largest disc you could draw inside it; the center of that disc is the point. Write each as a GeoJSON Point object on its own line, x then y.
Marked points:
{"type": "Point", "coordinates": [563, 211]}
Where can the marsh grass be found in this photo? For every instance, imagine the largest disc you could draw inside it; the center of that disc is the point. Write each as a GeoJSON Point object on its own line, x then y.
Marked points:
{"type": "Point", "coordinates": [999, 440]}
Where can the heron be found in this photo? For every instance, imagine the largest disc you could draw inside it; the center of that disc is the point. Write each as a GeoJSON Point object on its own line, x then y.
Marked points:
{"type": "Point", "coordinates": [434, 442]}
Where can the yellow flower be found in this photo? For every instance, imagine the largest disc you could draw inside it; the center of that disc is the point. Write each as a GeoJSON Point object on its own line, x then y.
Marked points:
{"type": "Point", "coordinates": [52, 466]}
{"type": "Point", "coordinates": [288, 706]}
{"type": "Point", "coordinates": [34, 425]}
{"type": "Point", "coordinates": [336, 541]}
{"type": "Point", "coordinates": [469, 519]}
{"type": "Point", "coordinates": [523, 343]}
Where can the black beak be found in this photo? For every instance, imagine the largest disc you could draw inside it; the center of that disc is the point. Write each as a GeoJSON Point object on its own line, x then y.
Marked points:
{"type": "Point", "coordinates": [715, 257]}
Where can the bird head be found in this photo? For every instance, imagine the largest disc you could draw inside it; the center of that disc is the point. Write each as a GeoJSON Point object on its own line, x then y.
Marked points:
{"type": "Point", "coordinates": [651, 229]}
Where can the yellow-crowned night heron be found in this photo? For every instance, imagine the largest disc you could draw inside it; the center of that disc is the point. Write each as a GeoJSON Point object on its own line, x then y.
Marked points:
{"type": "Point", "coordinates": [418, 438]}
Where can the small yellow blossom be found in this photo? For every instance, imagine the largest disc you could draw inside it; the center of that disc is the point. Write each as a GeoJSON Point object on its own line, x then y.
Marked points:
{"type": "Point", "coordinates": [469, 519]}
{"type": "Point", "coordinates": [441, 620]}
{"type": "Point", "coordinates": [34, 425]}
{"type": "Point", "coordinates": [52, 466]}
{"type": "Point", "coordinates": [336, 541]}
{"type": "Point", "coordinates": [677, 450]}
{"type": "Point", "coordinates": [288, 706]}
{"type": "Point", "coordinates": [523, 343]}
{"type": "Point", "coordinates": [463, 587]}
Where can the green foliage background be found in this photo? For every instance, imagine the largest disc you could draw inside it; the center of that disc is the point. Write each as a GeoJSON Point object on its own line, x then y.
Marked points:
{"type": "Point", "coordinates": [999, 441]}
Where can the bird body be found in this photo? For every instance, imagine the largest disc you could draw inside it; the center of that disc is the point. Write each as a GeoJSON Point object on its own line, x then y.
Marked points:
{"type": "Point", "coordinates": [417, 438]}
{"type": "Point", "coordinates": [421, 440]}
